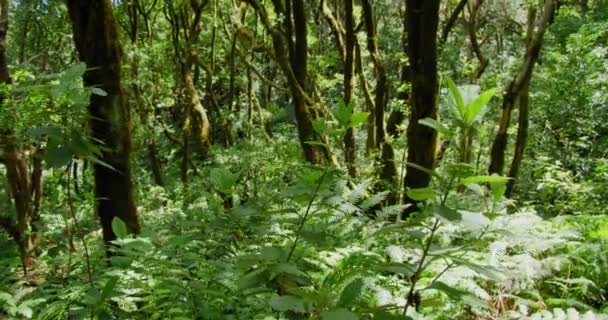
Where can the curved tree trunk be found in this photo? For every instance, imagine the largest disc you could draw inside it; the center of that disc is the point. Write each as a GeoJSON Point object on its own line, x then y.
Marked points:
{"type": "Point", "coordinates": [290, 52]}
{"type": "Point", "coordinates": [516, 85]}
{"type": "Point", "coordinates": [96, 39]}
{"type": "Point", "coordinates": [423, 19]}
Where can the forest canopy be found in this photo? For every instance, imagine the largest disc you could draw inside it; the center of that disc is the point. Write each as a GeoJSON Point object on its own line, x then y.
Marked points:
{"type": "Point", "coordinates": [292, 159]}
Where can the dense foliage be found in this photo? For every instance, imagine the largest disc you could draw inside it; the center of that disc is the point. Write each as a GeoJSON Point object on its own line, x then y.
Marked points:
{"type": "Point", "coordinates": [294, 159]}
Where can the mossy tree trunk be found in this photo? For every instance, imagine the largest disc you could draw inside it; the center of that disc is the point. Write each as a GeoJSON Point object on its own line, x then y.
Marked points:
{"type": "Point", "coordinates": [96, 39]}
{"type": "Point", "coordinates": [422, 22]}
{"type": "Point", "coordinates": [25, 185]}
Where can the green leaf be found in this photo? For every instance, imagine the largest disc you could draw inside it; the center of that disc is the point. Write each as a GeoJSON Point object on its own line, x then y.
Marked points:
{"type": "Point", "coordinates": [448, 213]}
{"type": "Point", "coordinates": [486, 271]}
{"type": "Point", "coordinates": [57, 156]}
{"type": "Point", "coordinates": [456, 102]}
{"type": "Point", "coordinates": [457, 294]}
{"type": "Point", "coordinates": [385, 315]}
{"type": "Point", "coordinates": [319, 125]}
{"type": "Point", "coordinates": [339, 314]}
{"type": "Point", "coordinates": [476, 110]}
{"type": "Point", "coordinates": [358, 119]}
{"type": "Point", "coordinates": [351, 292]}
{"type": "Point", "coordinates": [99, 92]}
{"type": "Point", "coordinates": [108, 289]}
{"type": "Point", "coordinates": [498, 190]}
{"type": "Point", "coordinates": [436, 125]}
{"type": "Point", "coordinates": [223, 179]}
{"type": "Point", "coordinates": [119, 228]}
{"type": "Point", "coordinates": [421, 194]}
{"type": "Point", "coordinates": [343, 113]}
{"type": "Point", "coordinates": [287, 303]}
{"type": "Point", "coordinates": [405, 269]}
{"type": "Point", "coordinates": [484, 179]}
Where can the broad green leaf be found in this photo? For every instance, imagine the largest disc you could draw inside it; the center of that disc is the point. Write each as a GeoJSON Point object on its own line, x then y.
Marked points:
{"type": "Point", "coordinates": [498, 190]}
{"type": "Point", "coordinates": [448, 213]}
{"type": "Point", "coordinates": [108, 289]}
{"type": "Point", "coordinates": [358, 119]}
{"type": "Point", "coordinates": [223, 179]}
{"type": "Point", "coordinates": [458, 294]}
{"type": "Point", "coordinates": [319, 125]}
{"type": "Point", "coordinates": [339, 314]}
{"type": "Point", "coordinates": [476, 110]}
{"type": "Point", "coordinates": [438, 126]}
{"type": "Point", "coordinates": [57, 156]}
{"type": "Point", "coordinates": [405, 269]}
{"type": "Point", "coordinates": [421, 194]}
{"type": "Point", "coordinates": [486, 271]}
{"type": "Point", "coordinates": [455, 102]}
{"type": "Point", "coordinates": [119, 228]}
{"type": "Point", "coordinates": [287, 303]}
{"type": "Point", "coordinates": [343, 113]}
{"type": "Point", "coordinates": [484, 179]}
{"type": "Point", "coordinates": [351, 292]}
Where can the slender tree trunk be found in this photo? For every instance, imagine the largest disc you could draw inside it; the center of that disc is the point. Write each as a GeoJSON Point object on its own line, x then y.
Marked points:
{"type": "Point", "coordinates": [522, 137]}
{"type": "Point", "coordinates": [381, 98]}
{"type": "Point", "coordinates": [349, 46]}
{"type": "Point", "coordinates": [423, 19]}
{"type": "Point", "coordinates": [25, 187]}
{"type": "Point", "coordinates": [388, 171]}
{"type": "Point", "coordinates": [472, 26]}
{"type": "Point", "coordinates": [445, 32]}
{"type": "Point", "coordinates": [303, 109]}
{"type": "Point", "coordinates": [514, 88]}
{"type": "Point", "coordinates": [96, 39]}
{"type": "Point", "coordinates": [290, 51]}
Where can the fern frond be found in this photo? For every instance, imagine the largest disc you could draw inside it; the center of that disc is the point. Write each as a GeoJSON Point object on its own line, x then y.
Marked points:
{"type": "Point", "coordinates": [374, 200]}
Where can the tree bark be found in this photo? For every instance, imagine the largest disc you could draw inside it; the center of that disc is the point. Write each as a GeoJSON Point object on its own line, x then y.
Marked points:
{"type": "Point", "coordinates": [423, 19]}
{"type": "Point", "coordinates": [472, 26]}
{"type": "Point", "coordinates": [96, 39]}
{"type": "Point", "coordinates": [381, 98]}
{"type": "Point", "coordinates": [25, 187]}
{"type": "Point", "coordinates": [445, 32]}
{"type": "Point", "coordinates": [349, 46]}
{"type": "Point", "coordinates": [522, 137]}
{"type": "Point", "coordinates": [290, 52]}
{"type": "Point", "coordinates": [515, 87]}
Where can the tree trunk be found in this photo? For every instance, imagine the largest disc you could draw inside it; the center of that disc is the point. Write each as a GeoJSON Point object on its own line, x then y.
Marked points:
{"type": "Point", "coordinates": [514, 88]}
{"type": "Point", "coordinates": [303, 110]}
{"type": "Point", "coordinates": [423, 18]}
{"type": "Point", "coordinates": [381, 98]}
{"type": "Point", "coordinates": [349, 50]}
{"type": "Point", "coordinates": [522, 137]}
{"type": "Point", "coordinates": [96, 39]}
{"type": "Point", "coordinates": [290, 51]}
{"type": "Point", "coordinates": [23, 185]}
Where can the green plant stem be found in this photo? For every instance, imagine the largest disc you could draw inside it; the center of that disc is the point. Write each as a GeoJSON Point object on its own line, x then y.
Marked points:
{"type": "Point", "coordinates": [451, 264]}
{"type": "Point", "coordinates": [76, 224]}
{"type": "Point", "coordinates": [415, 277]}
{"type": "Point", "coordinates": [305, 217]}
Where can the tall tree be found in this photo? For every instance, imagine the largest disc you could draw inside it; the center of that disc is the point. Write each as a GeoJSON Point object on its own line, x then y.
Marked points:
{"type": "Point", "coordinates": [290, 45]}
{"type": "Point", "coordinates": [422, 22]}
{"type": "Point", "coordinates": [96, 39]}
{"type": "Point", "coordinates": [25, 185]}
{"type": "Point", "coordinates": [516, 85]}
{"type": "Point", "coordinates": [349, 50]}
